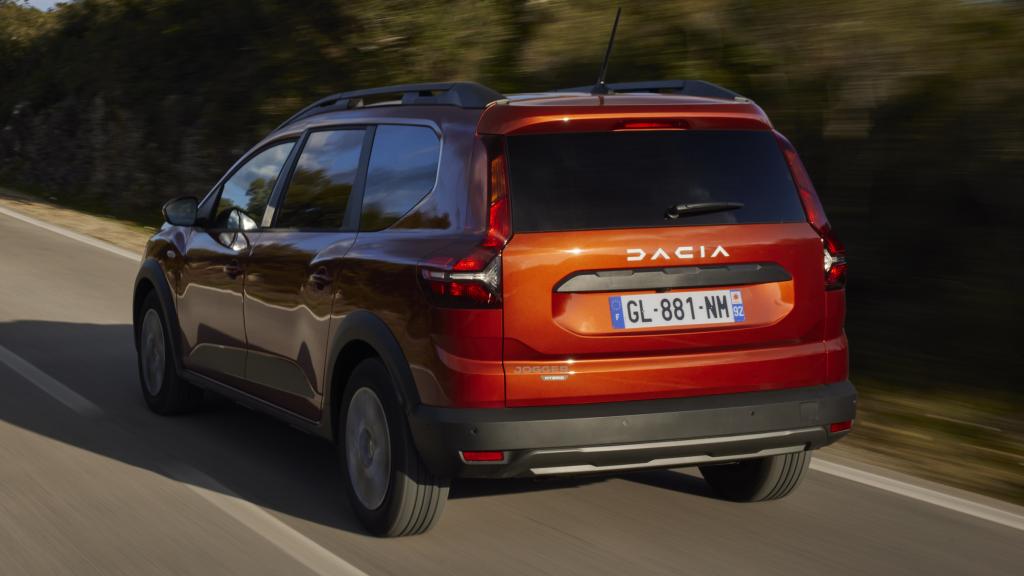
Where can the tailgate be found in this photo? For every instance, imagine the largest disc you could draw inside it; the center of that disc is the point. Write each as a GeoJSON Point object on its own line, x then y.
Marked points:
{"type": "Point", "coordinates": [606, 298]}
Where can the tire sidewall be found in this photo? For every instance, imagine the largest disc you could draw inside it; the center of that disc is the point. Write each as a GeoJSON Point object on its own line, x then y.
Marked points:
{"type": "Point", "coordinates": [760, 479]}
{"type": "Point", "coordinates": [160, 402]}
{"type": "Point", "coordinates": [373, 375]}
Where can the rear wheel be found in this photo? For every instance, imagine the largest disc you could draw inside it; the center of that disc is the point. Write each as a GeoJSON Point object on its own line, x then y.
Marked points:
{"type": "Point", "coordinates": [758, 479]}
{"type": "Point", "coordinates": [164, 391]}
{"type": "Point", "coordinates": [389, 487]}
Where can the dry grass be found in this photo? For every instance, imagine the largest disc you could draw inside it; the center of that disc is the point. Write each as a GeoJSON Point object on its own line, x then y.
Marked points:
{"type": "Point", "coordinates": [949, 437]}
{"type": "Point", "coordinates": [125, 235]}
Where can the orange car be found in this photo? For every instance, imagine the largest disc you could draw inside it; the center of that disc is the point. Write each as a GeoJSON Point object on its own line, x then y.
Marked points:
{"type": "Point", "coordinates": [450, 282]}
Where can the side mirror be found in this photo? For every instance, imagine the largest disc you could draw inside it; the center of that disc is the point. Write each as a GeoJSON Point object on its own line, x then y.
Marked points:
{"type": "Point", "coordinates": [181, 211]}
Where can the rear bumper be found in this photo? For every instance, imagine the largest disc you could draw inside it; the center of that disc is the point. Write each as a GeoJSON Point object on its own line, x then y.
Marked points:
{"type": "Point", "coordinates": [628, 435]}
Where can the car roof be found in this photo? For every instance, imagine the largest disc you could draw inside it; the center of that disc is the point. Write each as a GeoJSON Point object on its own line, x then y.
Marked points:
{"type": "Point", "coordinates": [468, 102]}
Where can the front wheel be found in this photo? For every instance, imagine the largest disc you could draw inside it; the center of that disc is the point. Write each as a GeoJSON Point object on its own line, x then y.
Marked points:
{"type": "Point", "coordinates": [389, 487]}
{"type": "Point", "coordinates": [758, 479]}
{"type": "Point", "coordinates": [165, 392]}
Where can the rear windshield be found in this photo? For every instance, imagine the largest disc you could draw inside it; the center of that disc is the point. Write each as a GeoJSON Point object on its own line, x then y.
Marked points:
{"type": "Point", "coordinates": [601, 180]}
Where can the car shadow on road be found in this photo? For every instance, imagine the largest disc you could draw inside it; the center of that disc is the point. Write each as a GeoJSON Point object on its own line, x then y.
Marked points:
{"type": "Point", "coordinates": [673, 480]}
{"type": "Point", "coordinates": [666, 479]}
{"type": "Point", "coordinates": [254, 456]}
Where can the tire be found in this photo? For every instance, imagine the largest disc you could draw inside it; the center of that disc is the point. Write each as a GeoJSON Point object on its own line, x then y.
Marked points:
{"type": "Point", "coordinates": [760, 479]}
{"type": "Point", "coordinates": [164, 391]}
{"type": "Point", "coordinates": [389, 487]}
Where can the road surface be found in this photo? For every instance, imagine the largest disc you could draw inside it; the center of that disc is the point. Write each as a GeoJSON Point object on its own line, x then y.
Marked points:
{"type": "Point", "coordinates": [93, 483]}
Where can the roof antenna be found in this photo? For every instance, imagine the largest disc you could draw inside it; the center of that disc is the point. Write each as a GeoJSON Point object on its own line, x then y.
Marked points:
{"type": "Point", "coordinates": [601, 88]}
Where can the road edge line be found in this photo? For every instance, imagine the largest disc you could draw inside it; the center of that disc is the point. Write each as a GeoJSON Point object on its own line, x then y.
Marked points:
{"type": "Point", "coordinates": [933, 497]}
{"type": "Point", "coordinates": [94, 242]}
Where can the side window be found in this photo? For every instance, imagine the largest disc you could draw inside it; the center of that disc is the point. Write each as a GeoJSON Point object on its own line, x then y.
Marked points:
{"type": "Point", "coordinates": [322, 182]}
{"type": "Point", "coordinates": [402, 170]}
{"type": "Point", "coordinates": [250, 186]}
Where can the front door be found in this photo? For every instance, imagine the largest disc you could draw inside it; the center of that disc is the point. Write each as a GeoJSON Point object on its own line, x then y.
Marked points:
{"type": "Point", "coordinates": [290, 278]}
{"type": "Point", "coordinates": [213, 274]}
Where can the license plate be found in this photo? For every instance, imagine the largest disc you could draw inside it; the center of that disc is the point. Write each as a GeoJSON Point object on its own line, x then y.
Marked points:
{"type": "Point", "coordinates": [677, 309]}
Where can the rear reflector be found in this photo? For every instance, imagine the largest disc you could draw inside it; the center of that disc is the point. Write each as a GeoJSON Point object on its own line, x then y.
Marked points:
{"type": "Point", "coordinates": [840, 426]}
{"type": "Point", "coordinates": [483, 456]}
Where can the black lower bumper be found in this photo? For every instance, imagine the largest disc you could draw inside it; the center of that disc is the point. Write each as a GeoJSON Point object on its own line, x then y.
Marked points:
{"type": "Point", "coordinates": [627, 435]}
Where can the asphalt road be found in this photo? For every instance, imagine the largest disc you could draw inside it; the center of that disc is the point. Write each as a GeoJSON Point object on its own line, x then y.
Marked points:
{"type": "Point", "coordinates": [92, 483]}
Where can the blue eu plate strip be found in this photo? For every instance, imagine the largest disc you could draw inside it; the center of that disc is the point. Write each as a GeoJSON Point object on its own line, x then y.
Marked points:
{"type": "Point", "coordinates": [615, 303]}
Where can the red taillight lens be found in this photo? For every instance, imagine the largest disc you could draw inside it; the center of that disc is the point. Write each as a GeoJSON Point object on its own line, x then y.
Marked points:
{"type": "Point", "coordinates": [475, 280]}
{"type": "Point", "coordinates": [483, 456]}
{"type": "Point", "coordinates": [835, 260]}
{"type": "Point", "coordinates": [834, 251]}
{"type": "Point", "coordinates": [499, 225]}
{"type": "Point", "coordinates": [653, 125]}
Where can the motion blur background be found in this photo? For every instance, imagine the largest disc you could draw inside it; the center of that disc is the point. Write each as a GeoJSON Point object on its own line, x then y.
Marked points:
{"type": "Point", "coordinates": [908, 114]}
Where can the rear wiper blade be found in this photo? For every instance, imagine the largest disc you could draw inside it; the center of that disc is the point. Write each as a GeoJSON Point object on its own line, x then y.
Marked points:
{"type": "Point", "coordinates": [700, 208]}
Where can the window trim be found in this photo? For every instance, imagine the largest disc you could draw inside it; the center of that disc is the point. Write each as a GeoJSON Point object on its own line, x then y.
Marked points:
{"type": "Point", "coordinates": [354, 206]}
{"type": "Point", "coordinates": [212, 199]}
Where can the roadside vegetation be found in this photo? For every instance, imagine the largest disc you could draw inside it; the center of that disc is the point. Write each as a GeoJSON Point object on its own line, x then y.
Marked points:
{"type": "Point", "coordinates": [907, 113]}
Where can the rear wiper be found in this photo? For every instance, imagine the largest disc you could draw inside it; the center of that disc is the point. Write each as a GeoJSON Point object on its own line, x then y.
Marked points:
{"type": "Point", "coordinates": [700, 208]}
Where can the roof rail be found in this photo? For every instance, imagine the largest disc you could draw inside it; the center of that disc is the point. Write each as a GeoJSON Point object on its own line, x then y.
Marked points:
{"type": "Point", "coordinates": [685, 87]}
{"type": "Point", "coordinates": [460, 94]}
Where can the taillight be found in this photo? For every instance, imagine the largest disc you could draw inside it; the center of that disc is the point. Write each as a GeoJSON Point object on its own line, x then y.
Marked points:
{"type": "Point", "coordinates": [499, 223]}
{"type": "Point", "coordinates": [835, 260]}
{"type": "Point", "coordinates": [652, 125]}
{"type": "Point", "coordinates": [834, 251]}
{"type": "Point", "coordinates": [474, 280]}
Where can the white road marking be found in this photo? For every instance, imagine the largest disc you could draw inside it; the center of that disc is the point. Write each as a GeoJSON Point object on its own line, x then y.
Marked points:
{"type": "Point", "coordinates": [94, 242]}
{"type": "Point", "coordinates": [48, 384]}
{"type": "Point", "coordinates": [936, 498]}
{"type": "Point", "coordinates": [289, 540]}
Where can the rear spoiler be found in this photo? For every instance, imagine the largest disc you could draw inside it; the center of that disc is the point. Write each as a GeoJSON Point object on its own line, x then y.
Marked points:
{"type": "Point", "coordinates": [698, 88]}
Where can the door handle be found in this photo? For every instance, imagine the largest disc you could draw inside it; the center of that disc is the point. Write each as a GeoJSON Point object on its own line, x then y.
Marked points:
{"type": "Point", "coordinates": [320, 279]}
{"type": "Point", "coordinates": [233, 269]}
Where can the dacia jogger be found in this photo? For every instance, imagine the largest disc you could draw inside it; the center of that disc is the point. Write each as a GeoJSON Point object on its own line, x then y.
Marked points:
{"type": "Point", "coordinates": [450, 282]}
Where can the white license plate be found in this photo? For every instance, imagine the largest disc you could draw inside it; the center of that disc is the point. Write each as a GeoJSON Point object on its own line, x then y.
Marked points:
{"type": "Point", "coordinates": [677, 309]}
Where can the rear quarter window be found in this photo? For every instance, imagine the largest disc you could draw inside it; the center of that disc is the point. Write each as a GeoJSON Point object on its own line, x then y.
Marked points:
{"type": "Point", "coordinates": [604, 180]}
{"type": "Point", "coordinates": [402, 170]}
